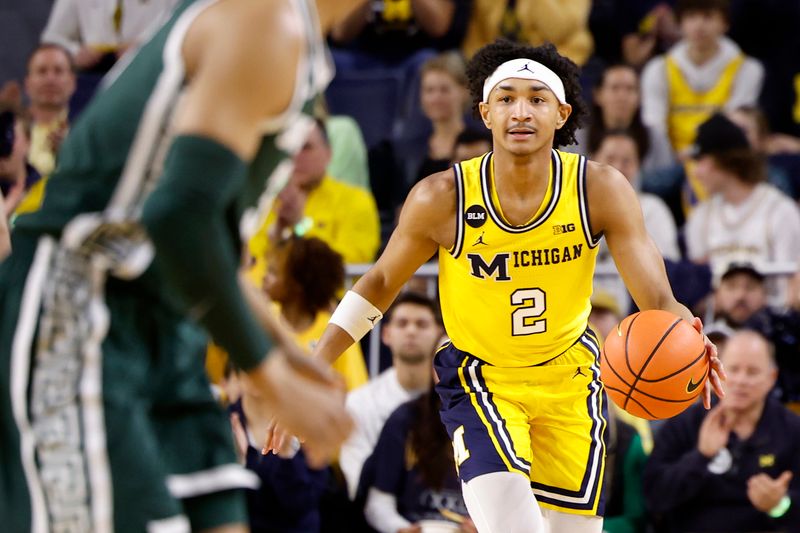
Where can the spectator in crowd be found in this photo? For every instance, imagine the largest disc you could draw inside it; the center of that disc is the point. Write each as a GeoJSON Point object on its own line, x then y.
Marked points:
{"type": "Point", "coordinates": [315, 204]}
{"type": "Point", "coordinates": [563, 23]}
{"type": "Point", "coordinates": [782, 326]}
{"type": "Point", "coordinates": [348, 151]}
{"type": "Point", "coordinates": [303, 277]}
{"type": "Point", "coordinates": [619, 149]}
{"type": "Point", "coordinates": [471, 143]}
{"type": "Point", "coordinates": [49, 85]}
{"type": "Point", "coordinates": [738, 295]}
{"type": "Point", "coordinates": [736, 467]}
{"type": "Point", "coordinates": [411, 330]}
{"type": "Point", "coordinates": [444, 97]}
{"type": "Point", "coordinates": [745, 219]}
{"type": "Point", "coordinates": [704, 72]}
{"type": "Point", "coordinates": [17, 176]}
{"type": "Point", "coordinates": [415, 473]}
{"type": "Point", "coordinates": [632, 31]}
{"type": "Point", "coordinates": [285, 498]}
{"type": "Point", "coordinates": [754, 124]}
{"type": "Point", "coordinates": [398, 33]}
{"type": "Point", "coordinates": [349, 161]}
{"type": "Point", "coordinates": [97, 33]}
{"type": "Point", "coordinates": [616, 100]}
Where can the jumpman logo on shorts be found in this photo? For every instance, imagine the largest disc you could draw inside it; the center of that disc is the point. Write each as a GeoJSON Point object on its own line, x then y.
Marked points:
{"type": "Point", "coordinates": [526, 67]}
{"type": "Point", "coordinates": [480, 240]}
{"type": "Point", "coordinates": [578, 372]}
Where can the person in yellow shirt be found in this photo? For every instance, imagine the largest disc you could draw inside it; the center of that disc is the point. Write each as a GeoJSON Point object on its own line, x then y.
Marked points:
{"type": "Point", "coordinates": [314, 204]}
{"type": "Point", "coordinates": [49, 85]}
{"type": "Point", "coordinates": [303, 277]}
{"type": "Point", "coordinates": [517, 231]}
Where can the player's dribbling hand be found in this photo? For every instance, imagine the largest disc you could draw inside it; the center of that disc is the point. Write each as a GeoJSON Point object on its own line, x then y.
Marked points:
{"type": "Point", "coordinates": [716, 374]}
{"type": "Point", "coordinates": [301, 402]}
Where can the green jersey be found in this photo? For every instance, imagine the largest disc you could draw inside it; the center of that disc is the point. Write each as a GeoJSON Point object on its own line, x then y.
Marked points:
{"type": "Point", "coordinates": [113, 156]}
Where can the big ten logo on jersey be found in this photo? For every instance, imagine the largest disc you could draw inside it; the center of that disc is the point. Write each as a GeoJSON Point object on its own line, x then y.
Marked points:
{"type": "Point", "coordinates": [558, 229]}
{"type": "Point", "coordinates": [475, 216]}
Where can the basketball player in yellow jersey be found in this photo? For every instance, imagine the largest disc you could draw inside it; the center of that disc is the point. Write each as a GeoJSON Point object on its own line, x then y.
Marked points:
{"type": "Point", "coordinates": [516, 231]}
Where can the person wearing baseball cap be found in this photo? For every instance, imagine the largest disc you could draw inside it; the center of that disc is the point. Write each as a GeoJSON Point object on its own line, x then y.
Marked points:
{"type": "Point", "coordinates": [744, 217]}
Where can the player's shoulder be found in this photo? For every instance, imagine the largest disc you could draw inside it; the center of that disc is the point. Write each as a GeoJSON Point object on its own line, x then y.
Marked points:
{"type": "Point", "coordinates": [435, 189]}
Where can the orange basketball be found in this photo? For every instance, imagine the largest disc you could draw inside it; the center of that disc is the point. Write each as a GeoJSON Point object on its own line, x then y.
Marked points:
{"type": "Point", "coordinates": [653, 364]}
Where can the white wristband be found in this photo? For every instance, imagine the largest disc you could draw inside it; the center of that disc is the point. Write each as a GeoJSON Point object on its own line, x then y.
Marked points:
{"type": "Point", "coordinates": [356, 315]}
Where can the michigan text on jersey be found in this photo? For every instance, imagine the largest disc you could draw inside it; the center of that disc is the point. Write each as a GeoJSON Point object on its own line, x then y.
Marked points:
{"type": "Point", "coordinates": [497, 268]}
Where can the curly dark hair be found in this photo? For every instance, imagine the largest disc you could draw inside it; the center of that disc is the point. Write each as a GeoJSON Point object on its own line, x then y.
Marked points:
{"type": "Point", "coordinates": [316, 269]}
{"type": "Point", "coordinates": [487, 59]}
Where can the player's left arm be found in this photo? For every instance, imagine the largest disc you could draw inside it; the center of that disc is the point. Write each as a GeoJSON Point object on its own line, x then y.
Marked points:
{"type": "Point", "coordinates": [614, 210]}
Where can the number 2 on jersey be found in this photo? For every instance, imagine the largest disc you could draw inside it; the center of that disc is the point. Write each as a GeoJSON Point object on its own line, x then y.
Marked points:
{"type": "Point", "coordinates": [534, 304]}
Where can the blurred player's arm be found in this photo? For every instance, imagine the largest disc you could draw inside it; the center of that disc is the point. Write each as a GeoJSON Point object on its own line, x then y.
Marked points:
{"type": "Point", "coordinates": [233, 86]}
{"type": "Point", "coordinates": [5, 237]}
{"type": "Point", "coordinates": [426, 221]}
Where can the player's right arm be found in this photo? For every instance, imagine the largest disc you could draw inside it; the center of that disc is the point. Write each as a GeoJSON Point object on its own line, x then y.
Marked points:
{"type": "Point", "coordinates": [427, 221]}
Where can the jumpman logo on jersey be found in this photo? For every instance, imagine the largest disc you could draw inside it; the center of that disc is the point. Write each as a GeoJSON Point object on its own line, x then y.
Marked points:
{"type": "Point", "coordinates": [372, 319]}
{"type": "Point", "coordinates": [526, 67]}
{"type": "Point", "coordinates": [480, 240]}
{"type": "Point", "coordinates": [578, 372]}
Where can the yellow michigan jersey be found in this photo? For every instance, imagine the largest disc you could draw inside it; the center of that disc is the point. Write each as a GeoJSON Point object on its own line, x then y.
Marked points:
{"type": "Point", "coordinates": [517, 296]}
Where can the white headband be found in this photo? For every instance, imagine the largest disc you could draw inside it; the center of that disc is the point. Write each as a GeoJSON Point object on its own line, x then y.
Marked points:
{"type": "Point", "coordinates": [527, 69]}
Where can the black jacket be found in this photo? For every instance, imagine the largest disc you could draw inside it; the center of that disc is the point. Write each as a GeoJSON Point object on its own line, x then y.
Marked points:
{"type": "Point", "coordinates": [682, 490]}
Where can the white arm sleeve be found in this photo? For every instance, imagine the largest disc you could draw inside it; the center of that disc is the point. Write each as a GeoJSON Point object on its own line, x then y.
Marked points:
{"type": "Point", "coordinates": [381, 512]}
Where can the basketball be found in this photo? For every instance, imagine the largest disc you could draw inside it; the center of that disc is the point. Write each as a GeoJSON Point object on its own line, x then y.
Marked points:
{"type": "Point", "coordinates": [653, 364]}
